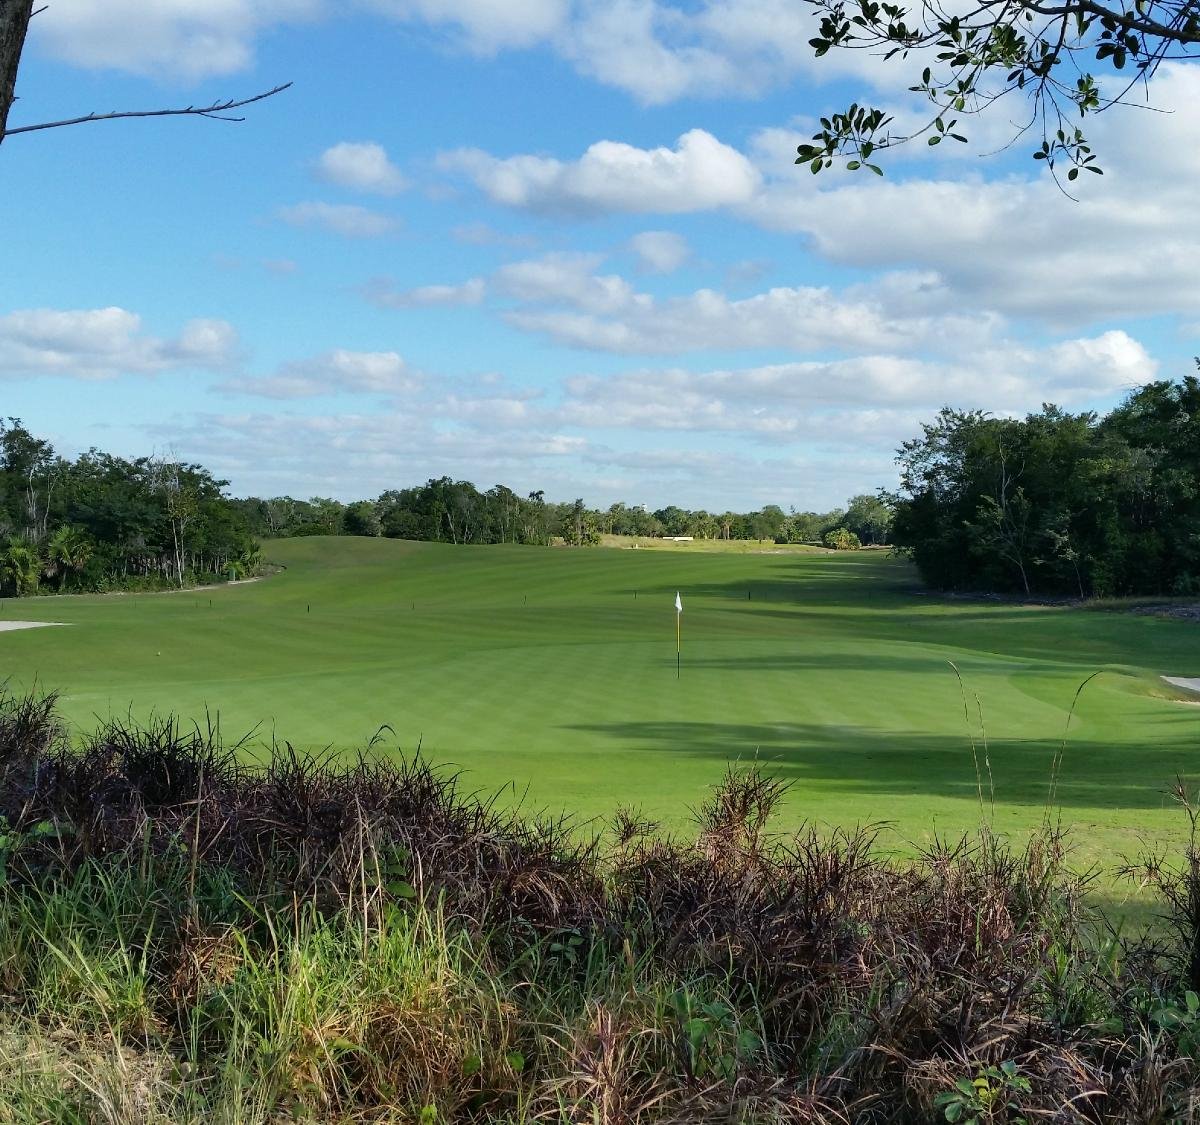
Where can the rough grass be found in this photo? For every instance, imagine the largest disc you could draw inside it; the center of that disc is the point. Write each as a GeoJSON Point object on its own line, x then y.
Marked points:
{"type": "Point", "coordinates": [555, 670]}
{"type": "Point", "coordinates": [186, 938]}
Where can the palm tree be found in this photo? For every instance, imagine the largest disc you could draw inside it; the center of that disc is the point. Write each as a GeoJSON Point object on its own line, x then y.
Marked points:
{"type": "Point", "coordinates": [67, 552]}
{"type": "Point", "coordinates": [19, 567]}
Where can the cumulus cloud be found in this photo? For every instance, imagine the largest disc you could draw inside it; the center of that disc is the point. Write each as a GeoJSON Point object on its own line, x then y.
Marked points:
{"type": "Point", "coordinates": [566, 278]}
{"type": "Point", "coordinates": [107, 342]}
{"type": "Point", "coordinates": [188, 39]}
{"type": "Point", "coordinates": [654, 50]}
{"type": "Point", "coordinates": [872, 395]}
{"type": "Point", "coordinates": [660, 251]}
{"type": "Point", "coordinates": [606, 314]}
{"type": "Point", "coordinates": [347, 219]}
{"type": "Point", "coordinates": [1018, 244]}
{"type": "Point", "coordinates": [336, 372]}
{"type": "Point", "coordinates": [698, 174]}
{"type": "Point", "coordinates": [361, 166]}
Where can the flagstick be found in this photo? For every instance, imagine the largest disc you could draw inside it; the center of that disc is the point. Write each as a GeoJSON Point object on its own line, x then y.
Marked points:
{"type": "Point", "coordinates": [678, 622]}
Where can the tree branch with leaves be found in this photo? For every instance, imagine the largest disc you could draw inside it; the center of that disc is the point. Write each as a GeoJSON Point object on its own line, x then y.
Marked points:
{"type": "Point", "coordinates": [1065, 60]}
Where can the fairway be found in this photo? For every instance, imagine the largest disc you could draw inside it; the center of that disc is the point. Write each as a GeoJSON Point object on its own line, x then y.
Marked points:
{"type": "Point", "coordinates": [554, 669]}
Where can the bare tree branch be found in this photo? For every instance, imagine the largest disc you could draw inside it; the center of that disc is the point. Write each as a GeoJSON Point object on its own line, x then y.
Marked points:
{"type": "Point", "coordinates": [215, 111]}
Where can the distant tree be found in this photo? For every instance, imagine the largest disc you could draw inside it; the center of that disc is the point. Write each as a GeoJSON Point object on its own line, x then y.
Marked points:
{"type": "Point", "coordinates": [1058, 502]}
{"type": "Point", "coordinates": [362, 518]}
{"type": "Point", "coordinates": [31, 469]}
{"type": "Point", "coordinates": [842, 539]}
{"type": "Point", "coordinates": [674, 520]}
{"type": "Point", "coordinates": [869, 517]}
{"type": "Point", "coordinates": [68, 551]}
{"type": "Point", "coordinates": [20, 567]}
{"type": "Point", "coordinates": [578, 511]}
{"type": "Point", "coordinates": [534, 518]}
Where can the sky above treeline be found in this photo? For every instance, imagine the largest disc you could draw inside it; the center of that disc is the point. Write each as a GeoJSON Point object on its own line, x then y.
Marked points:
{"type": "Point", "coordinates": [559, 244]}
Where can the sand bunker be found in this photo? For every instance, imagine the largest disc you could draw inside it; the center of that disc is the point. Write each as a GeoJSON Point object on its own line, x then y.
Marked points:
{"type": "Point", "coordinates": [6, 626]}
{"type": "Point", "coordinates": [1183, 682]}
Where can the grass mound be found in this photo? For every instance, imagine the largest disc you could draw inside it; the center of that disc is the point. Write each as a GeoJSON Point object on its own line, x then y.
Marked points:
{"type": "Point", "coordinates": [184, 937]}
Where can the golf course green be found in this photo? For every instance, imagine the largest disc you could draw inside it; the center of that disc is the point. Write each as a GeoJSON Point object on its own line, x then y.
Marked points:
{"type": "Point", "coordinates": [555, 670]}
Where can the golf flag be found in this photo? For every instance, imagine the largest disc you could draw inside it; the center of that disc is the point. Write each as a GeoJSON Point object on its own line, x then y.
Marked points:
{"type": "Point", "coordinates": [678, 620]}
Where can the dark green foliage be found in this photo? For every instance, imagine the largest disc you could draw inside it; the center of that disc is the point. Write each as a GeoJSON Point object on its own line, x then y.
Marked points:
{"type": "Point", "coordinates": [1059, 503]}
{"type": "Point", "coordinates": [101, 522]}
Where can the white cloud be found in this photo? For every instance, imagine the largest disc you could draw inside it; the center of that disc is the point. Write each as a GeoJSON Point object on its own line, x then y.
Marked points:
{"type": "Point", "coordinates": [873, 397]}
{"type": "Point", "coordinates": [353, 455]}
{"type": "Point", "coordinates": [606, 314]}
{"type": "Point", "coordinates": [104, 343]}
{"type": "Point", "coordinates": [485, 25]}
{"type": "Point", "coordinates": [1018, 244]}
{"type": "Point", "coordinates": [660, 251]}
{"type": "Point", "coordinates": [565, 278]}
{"type": "Point", "coordinates": [189, 39]}
{"type": "Point", "coordinates": [653, 50]}
{"type": "Point", "coordinates": [383, 293]}
{"type": "Point", "coordinates": [362, 166]}
{"type": "Point", "coordinates": [336, 372]}
{"type": "Point", "coordinates": [346, 219]}
{"type": "Point", "coordinates": [698, 174]}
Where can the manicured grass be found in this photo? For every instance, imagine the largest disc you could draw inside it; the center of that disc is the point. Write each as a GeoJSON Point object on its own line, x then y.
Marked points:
{"type": "Point", "coordinates": [555, 669]}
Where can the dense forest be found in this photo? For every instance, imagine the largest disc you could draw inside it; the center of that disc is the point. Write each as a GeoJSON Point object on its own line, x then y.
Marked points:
{"type": "Point", "coordinates": [101, 522]}
{"type": "Point", "coordinates": [458, 512]}
{"type": "Point", "coordinates": [1058, 503]}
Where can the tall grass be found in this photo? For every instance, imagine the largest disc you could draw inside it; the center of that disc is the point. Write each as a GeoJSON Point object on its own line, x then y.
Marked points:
{"type": "Point", "coordinates": [186, 938]}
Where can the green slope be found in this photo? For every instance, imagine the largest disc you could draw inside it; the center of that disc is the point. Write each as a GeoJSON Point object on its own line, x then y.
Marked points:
{"type": "Point", "coordinates": [556, 669]}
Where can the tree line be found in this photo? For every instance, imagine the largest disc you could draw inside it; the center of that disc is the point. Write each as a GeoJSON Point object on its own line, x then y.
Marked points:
{"type": "Point", "coordinates": [451, 511]}
{"type": "Point", "coordinates": [1058, 503]}
{"type": "Point", "coordinates": [101, 522]}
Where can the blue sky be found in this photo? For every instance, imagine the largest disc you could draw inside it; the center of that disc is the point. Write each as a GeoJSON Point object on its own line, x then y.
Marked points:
{"type": "Point", "coordinates": [552, 243]}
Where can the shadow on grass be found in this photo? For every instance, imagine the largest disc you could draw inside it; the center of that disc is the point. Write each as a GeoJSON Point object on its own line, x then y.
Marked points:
{"type": "Point", "coordinates": [853, 759]}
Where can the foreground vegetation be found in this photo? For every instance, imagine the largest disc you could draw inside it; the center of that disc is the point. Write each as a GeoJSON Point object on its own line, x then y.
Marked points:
{"type": "Point", "coordinates": [185, 938]}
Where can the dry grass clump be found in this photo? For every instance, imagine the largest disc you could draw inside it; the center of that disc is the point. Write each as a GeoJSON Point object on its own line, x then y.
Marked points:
{"type": "Point", "coordinates": [187, 937]}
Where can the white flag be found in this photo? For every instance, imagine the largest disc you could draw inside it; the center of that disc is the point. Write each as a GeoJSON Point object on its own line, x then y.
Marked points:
{"type": "Point", "coordinates": [678, 603]}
